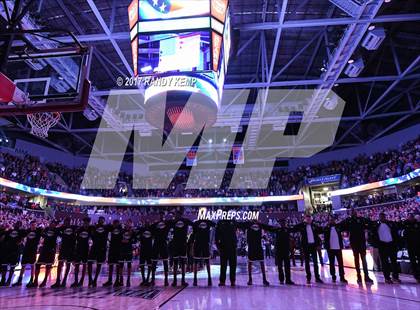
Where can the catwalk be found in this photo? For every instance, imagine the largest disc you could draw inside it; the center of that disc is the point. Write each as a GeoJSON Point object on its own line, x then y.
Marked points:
{"type": "Point", "coordinates": [381, 296]}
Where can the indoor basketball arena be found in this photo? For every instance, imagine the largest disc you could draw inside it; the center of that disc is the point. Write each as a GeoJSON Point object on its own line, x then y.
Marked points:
{"type": "Point", "coordinates": [209, 154]}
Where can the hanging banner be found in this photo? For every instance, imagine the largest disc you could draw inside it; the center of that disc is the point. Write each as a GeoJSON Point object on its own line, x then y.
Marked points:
{"type": "Point", "coordinates": [192, 157]}
{"type": "Point", "coordinates": [238, 155]}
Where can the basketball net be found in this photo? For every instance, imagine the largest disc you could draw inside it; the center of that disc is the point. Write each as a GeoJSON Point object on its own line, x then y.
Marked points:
{"type": "Point", "coordinates": [40, 122]}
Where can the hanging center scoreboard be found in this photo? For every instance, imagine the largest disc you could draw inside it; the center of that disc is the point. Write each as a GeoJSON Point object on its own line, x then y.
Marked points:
{"type": "Point", "coordinates": [182, 39]}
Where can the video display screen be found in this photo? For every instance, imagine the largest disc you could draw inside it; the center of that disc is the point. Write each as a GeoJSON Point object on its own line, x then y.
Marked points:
{"type": "Point", "coordinates": [217, 46]}
{"type": "Point", "coordinates": [133, 13]}
{"type": "Point", "coordinates": [227, 42]}
{"type": "Point", "coordinates": [175, 52]}
{"type": "Point", "coordinates": [219, 9]}
{"type": "Point", "coordinates": [167, 9]}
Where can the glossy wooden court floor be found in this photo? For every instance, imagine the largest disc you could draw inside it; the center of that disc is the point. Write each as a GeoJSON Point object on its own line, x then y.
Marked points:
{"type": "Point", "coordinates": [329, 295]}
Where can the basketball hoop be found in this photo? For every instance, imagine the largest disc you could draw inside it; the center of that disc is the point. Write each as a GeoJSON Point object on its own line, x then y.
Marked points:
{"type": "Point", "coordinates": [42, 122]}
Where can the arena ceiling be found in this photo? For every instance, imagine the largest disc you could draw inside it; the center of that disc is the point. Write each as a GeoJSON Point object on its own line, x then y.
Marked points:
{"type": "Point", "coordinates": [284, 44]}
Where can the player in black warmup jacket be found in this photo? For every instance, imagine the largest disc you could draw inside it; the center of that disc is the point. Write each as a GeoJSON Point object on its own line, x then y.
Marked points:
{"type": "Point", "coordinates": [11, 245]}
{"type": "Point", "coordinates": [81, 252]}
{"type": "Point", "coordinates": [282, 251]}
{"type": "Point", "coordinates": [144, 235]}
{"type": "Point", "coordinates": [2, 236]}
{"type": "Point", "coordinates": [412, 238]}
{"type": "Point", "coordinates": [33, 235]}
{"type": "Point", "coordinates": [356, 226]}
{"type": "Point", "coordinates": [333, 242]}
{"type": "Point", "coordinates": [179, 244]}
{"type": "Point", "coordinates": [386, 236]}
{"type": "Point", "coordinates": [255, 250]}
{"type": "Point", "coordinates": [114, 251]}
{"type": "Point", "coordinates": [160, 231]}
{"type": "Point", "coordinates": [310, 242]}
{"type": "Point", "coordinates": [97, 253]}
{"type": "Point", "coordinates": [47, 254]}
{"type": "Point", "coordinates": [67, 233]}
{"type": "Point", "coordinates": [126, 252]}
{"type": "Point", "coordinates": [201, 247]}
{"type": "Point", "coordinates": [3, 231]}
{"type": "Point", "coordinates": [226, 242]}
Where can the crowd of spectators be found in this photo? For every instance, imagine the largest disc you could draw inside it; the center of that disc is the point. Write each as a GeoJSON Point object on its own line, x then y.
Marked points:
{"type": "Point", "coordinates": [394, 211]}
{"type": "Point", "coordinates": [398, 211]}
{"type": "Point", "coordinates": [380, 197]}
{"type": "Point", "coordinates": [10, 214]}
{"type": "Point", "coordinates": [27, 170]}
{"type": "Point", "coordinates": [362, 169]}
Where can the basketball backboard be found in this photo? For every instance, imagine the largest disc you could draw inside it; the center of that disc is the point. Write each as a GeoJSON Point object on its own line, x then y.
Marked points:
{"type": "Point", "coordinates": [42, 74]}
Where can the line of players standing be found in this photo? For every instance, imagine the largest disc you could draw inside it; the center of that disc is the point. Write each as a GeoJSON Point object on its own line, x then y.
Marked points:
{"type": "Point", "coordinates": [89, 246]}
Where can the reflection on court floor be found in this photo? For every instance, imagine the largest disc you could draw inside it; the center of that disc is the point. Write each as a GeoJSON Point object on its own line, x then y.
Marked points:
{"type": "Point", "coordinates": [329, 295]}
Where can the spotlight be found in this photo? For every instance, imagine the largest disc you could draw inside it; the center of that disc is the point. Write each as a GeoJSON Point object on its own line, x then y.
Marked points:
{"type": "Point", "coordinates": [354, 68]}
{"type": "Point", "coordinates": [210, 141]}
{"type": "Point", "coordinates": [350, 61]}
{"type": "Point", "coordinates": [224, 140]}
{"type": "Point", "coordinates": [374, 38]}
{"type": "Point", "coordinates": [331, 103]}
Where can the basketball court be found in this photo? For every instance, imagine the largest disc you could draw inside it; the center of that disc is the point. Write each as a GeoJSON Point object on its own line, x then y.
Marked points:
{"type": "Point", "coordinates": [299, 296]}
{"type": "Point", "coordinates": [173, 104]}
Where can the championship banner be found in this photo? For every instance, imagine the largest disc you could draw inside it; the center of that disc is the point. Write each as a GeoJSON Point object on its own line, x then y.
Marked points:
{"type": "Point", "coordinates": [238, 155]}
{"type": "Point", "coordinates": [191, 160]}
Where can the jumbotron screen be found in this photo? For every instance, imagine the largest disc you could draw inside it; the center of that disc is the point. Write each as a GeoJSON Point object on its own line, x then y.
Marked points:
{"type": "Point", "coordinates": [168, 9]}
{"type": "Point", "coordinates": [175, 52]}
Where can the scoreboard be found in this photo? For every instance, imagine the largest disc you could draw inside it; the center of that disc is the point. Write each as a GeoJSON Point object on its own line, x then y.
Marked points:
{"type": "Point", "coordinates": [190, 38]}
